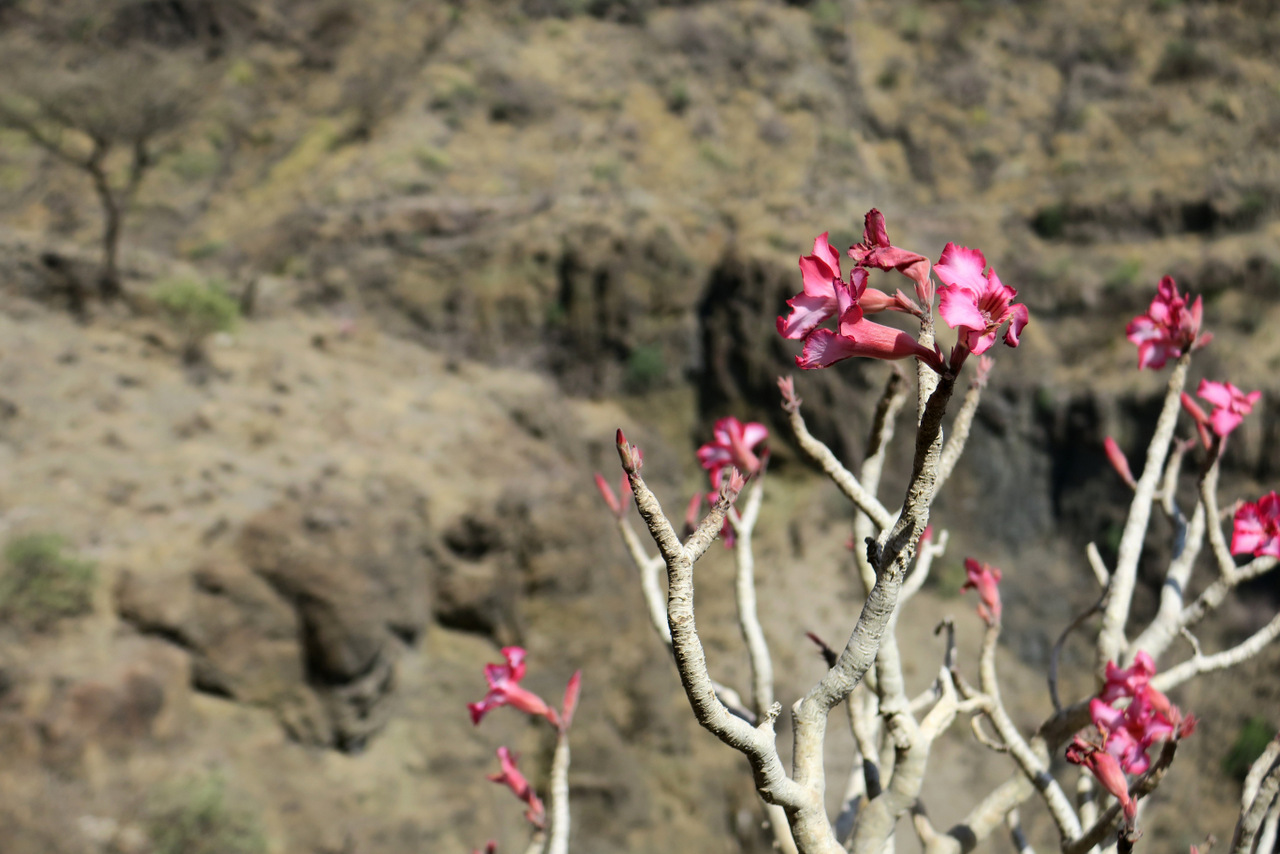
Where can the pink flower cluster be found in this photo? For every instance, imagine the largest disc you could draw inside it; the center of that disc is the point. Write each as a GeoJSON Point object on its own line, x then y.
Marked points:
{"type": "Point", "coordinates": [733, 444]}
{"type": "Point", "coordinates": [973, 301]}
{"type": "Point", "coordinates": [1128, 733]}
{"type": "Point", "coordinates": [1256, 529]}
{"type": "Point", "coordinates": [1169, 328]}
{"type": "Point", "coordinates": [732, 447]}
{"type": "Point", "coordinates": [984, 578]}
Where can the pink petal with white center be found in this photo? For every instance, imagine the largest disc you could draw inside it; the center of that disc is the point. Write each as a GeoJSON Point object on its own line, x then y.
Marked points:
{"type": "Point", "coordinates": [959, 308]}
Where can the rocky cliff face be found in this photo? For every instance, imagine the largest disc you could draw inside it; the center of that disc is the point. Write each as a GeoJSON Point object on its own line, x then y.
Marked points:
{"type": "Point", "coordinates": [476, 240]}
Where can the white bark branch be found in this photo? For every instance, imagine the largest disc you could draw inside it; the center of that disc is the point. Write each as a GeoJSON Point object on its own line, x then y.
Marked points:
{"type": "Point", "coordinates": [1198, 664]}
{"type": "Point", "coordinates": [1111, 640]}
{"type": "Point", "coordinates": [558, 841]}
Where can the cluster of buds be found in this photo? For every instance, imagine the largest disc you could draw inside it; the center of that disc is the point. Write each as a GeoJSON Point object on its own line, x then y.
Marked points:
{"type": "Point", "coordinates": [972, 300]}
{"type": "Point", "coordinates": [733, 448]}
{"type": "Point", "coordinates": [984, 578]}
{"type": "Point", "coordinates": [505, 690]}
{"type": "Point", "coordinates": [1127, 733]}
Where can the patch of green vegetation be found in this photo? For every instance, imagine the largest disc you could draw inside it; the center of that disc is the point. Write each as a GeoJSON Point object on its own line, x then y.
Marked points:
{"type": "Point", "coordinates": [1123, 275]}
{"type": "Point", "coordinates": [432, 159]}
{"type": "Point", "coordinates": [780, 242]}
{"type": "Point", "coordinates": [1252, 206]}
{"type": "Point", "coordinates": [241, 72]}
{"type": "Point", "coordinates": [910, 22]}
{"type": "Point", "coordinates": [41, 584]}
{"type": "Point", "coordinates": [1050, 222]}
{"type": "Point", "coordinates": [946, 579]}
{"type": "Point", "coordinates": [1046, 402]}
{"type": "Point", "coordinates": [1250, 741]}
{"type": "Point", "coordinates": [1182, 60]}
{"type": "Point", "coordinates": [888, 77]}
{"type": "Point", "coordinates": [206, 249]}
{"type": "Point", "coordinates": [195, 165]}
{"type": "Point", "coordinates": [194, 816]}
{"type": "Point", "coordinates": [716, 156]}
{"type": "Point", "coordinates": [828, 18]}
{"type": "Point", "coordinates": [607, 172]}
{"type": "Point", "coordinates": [646, 368]}
{"type": "Point", "coordinates": [1111, 537]}
{"type": "Point", "coordinates": [197, 309]}
{"type": "Point", "coordinates": [678, 98]}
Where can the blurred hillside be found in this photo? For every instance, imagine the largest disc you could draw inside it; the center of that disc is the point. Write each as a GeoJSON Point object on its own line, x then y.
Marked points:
{"type": "Point", "coordinates": [467, 241]}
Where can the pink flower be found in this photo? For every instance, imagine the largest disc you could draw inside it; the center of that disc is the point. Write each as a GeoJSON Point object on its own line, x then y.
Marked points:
{"type": "Point", "coordinates": [1107, 770]}
{"type": "Point", "coordinates": [1127, 682]}
{"type": "Point", "coordinates": [1168, 329]}
{"type": "Point", "coordinates": [491, 847]}
{"type": "Point", "coordinates": [876, 251]}
{"type": "Point", "coordinates": [819, 298]}
{"type": "Point", "coordinates": [857, 336]}
{"type": "Point", "coordinates": [1118, 461]}
{"type": "Point", "coordinates": [1257, 528]}
{"type": "Point", "coordinates": [974, 302]}
{"type": "Point", "coordinates": [817, 301]}
{"type": "Point", "coordinates": [1232, 404]}
{"type": "Point", "coordinates": [519, 786]}
{"type": "Point", "coordinates": [732, 446]}
{"type": "Point", "coordinates": [984, 578]}
{"type": "Point", "coordinates": [505, 690]}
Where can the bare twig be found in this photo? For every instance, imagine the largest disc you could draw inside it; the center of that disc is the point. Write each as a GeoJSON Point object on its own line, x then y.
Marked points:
{"type": "Point", "coordinates": [1198, 664]}
{"type": "Point", "coordinates": [1055, 654]}
{"type": "Point", "coordinates": [840, 476]}
{"type": "Point", "coordinates": [1020, 843]}
{"type": "Point", "coordinates": [1100, 571]}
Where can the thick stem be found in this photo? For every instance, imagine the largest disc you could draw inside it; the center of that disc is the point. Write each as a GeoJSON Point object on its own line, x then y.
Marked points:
{"type": "Point", "coordinates": [891, 555]}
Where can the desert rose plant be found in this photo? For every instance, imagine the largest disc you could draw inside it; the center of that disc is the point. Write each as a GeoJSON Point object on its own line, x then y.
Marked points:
{"type": "Point", "coordinates": [549, 828]}
{"type": "Point", "coordinates": [1123, 738]}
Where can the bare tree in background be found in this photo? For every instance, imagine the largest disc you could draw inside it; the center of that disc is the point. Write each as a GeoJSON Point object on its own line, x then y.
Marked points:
{"type": "Point", "coordinates": [106, 112]}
